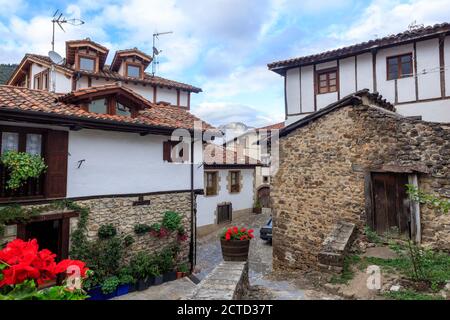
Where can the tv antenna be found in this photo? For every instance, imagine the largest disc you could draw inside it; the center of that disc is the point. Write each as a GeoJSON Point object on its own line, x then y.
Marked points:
{"type": "Point", "coordinates": [414, 26]}
{"type": "Point", "coordinates": [59, 19]}
{"type": "Point", "coordinates": [156, 52]}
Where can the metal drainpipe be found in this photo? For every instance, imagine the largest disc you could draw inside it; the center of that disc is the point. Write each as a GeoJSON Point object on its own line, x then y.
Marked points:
{"type": "Point", "coordinates": [193, 243]}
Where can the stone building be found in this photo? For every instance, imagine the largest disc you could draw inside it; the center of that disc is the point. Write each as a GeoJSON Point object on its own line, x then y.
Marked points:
{"type": "Point", "coordinates": [350, 162]}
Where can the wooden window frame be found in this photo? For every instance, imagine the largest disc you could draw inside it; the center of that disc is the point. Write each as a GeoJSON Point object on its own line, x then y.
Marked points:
{"type": "Point", "coordinates": [399, 64]}
{"type": "Point", "coordinates": [111, 105]}
{"type": "Point", "coordinates": [213, 190]}
{"type": "Point", "coordinates": [23, 131]}
{"type": "Point", "coordinates": [235, 188]}
{"type": "Point", "coordinates": [327, 72]}
{"type": "Point", "coordinates": [78, 57]}
{"type": "Point", "coordinates": [167, 151]}
{"type": "Point", "coordinates": [134, 64]}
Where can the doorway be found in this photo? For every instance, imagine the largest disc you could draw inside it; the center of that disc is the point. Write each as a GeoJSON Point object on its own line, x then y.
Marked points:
{"type": "Point", "coordinates": [264, 197]}
{"type": "Point", "coordinates": [391, 205]}
{"type": "Point", "coordinates": [224, 213]}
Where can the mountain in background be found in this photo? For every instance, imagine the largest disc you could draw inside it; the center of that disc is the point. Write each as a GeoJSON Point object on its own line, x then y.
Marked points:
{"type": "Point", "coordinates": [5, 72]}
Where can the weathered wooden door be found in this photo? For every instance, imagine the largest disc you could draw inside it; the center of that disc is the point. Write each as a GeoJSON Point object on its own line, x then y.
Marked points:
{"type": "Point", "coordinates": [264, 197]}
{"type": "Point", "coordinates": [224, 212]}
{"type": "Point", "coordinates": [391, 204]}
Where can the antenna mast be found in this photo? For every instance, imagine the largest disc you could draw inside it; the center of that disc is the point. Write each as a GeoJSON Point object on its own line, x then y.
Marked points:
{"type": "Point", "coordinates": [156, 52]}
{"type": "Point", "coordinates": [59, 19]}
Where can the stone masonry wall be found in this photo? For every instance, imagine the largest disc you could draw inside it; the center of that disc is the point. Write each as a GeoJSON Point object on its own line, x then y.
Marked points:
{"type": "Point", "coordinates": [321, 176]}
{"type": "Point", "coordinates": [120, 212]}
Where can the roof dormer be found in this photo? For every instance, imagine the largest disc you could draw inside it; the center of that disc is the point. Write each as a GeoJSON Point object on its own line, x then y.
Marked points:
{"type": "Point", "coordinates": [130, 63]}
{"type": "Point", "coordinates": [86, 55]}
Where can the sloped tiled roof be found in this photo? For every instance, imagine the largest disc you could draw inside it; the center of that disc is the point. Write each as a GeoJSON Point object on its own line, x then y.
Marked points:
{"type": "Point", "coordinates": [396, 39]}
{"type": "Point", "coordinates": [278, 126]}
{"type": "Point", "coordinates": [106, 73]}
{"type": "Point", "coordinates": [213, 152]}
{"type": "Point", "coordinates": [44, 102]}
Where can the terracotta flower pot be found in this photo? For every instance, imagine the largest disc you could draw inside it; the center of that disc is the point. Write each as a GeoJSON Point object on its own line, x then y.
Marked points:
{"type": "Point", "coordinates": [235, 250]}
{"type": "Point", "coordinates": [180, 275]}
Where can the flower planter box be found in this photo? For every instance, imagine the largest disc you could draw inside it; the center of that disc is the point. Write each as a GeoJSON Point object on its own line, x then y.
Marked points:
{"type": "Point", "coordinates": [158, 280]}
{"type": "Point", "coordinates": [132, 288]}
{"type": "Point", "coordinates": [95, 294]}
{"type": "Point", "coordinates": [170, 276]}
{"type": "Point", "coordinates": [142, 284]}
{"type": "Point", "coordinates": [235, 250]}
{"type": "Point", "coordinates": [122, 289]}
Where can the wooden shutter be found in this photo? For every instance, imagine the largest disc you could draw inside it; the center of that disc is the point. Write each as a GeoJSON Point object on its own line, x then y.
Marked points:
{"type": "Point", "coordinates": [167, 148]}
{"type": "Point", "coordinates": [56, 152]}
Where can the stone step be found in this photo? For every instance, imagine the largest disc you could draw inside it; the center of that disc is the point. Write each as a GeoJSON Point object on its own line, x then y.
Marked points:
{"type": "Point", "coordinates": [335, 247]}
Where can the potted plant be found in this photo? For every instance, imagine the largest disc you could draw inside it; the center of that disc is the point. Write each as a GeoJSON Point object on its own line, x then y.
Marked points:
{"type": "Point", "coordinates": [235, 243]}
{"type": "Point", "coordinates": [21, 167]}
{"type": "Point", "coordinates": [156, 275]}
{"type": "Point", "coordinates": [182, 271]}
{"type": "Point", "coordinates": [127, 282]}
{"type": "Point", "coordinates": [109, 287]}
{"type": "Point", "coordinates": [140, 266]}
{"type": "Point", "coordinates": [166, 264]}
{"type": "Point", "coordinates": [257, 208]}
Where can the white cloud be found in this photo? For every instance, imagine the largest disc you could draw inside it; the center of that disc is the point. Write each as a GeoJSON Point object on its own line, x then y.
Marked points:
{"type": "Point", "coordinates": [220, 113]}
{"type": "Point", "coordinates": [9, 7]}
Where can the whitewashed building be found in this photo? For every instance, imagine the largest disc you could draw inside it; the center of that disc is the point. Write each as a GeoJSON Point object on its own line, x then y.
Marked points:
{"type": "Point", "coordinates": [410, 70]}
{"type": "Point", "coordinates": [229, 181]}
{"type": "Point", "coordinates": [105, 133]}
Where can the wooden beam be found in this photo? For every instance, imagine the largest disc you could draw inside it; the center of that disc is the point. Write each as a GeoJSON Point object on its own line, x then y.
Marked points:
{"type": "Point", "coordinates": [368, 195]}
{"type": "Point", "coordinates": [442, 64]}
{"type": "Point", "coordinates": [416, 80]}
{"type": "Point", "coordinates": [374, 70]}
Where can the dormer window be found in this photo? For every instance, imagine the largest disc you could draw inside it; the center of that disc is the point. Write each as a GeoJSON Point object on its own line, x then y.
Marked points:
{"type": "Point", "coordinates": [98, 106]}
{"type": "Point", "coordinates": [133, 71]}
{"type": "Point", "coordinates": [122, 110]}
{"type": "Point", "coordinates": [87, 63]}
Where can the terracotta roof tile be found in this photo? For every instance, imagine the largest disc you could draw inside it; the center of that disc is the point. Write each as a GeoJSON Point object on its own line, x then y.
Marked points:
{"type": "Point", "coordinates": [395, 39]}
{"type": "Point", "coordinates": [278, 126]}
{"type": "Point", "coordinates": [215, 152]}
{"type": "Point", "coordinates": [107, 73]}
{"type": "Point", "coordinates": [24, 99]}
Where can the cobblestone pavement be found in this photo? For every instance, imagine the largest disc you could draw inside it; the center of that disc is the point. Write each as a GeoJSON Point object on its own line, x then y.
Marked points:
{"type": "Point", "coordinates": [264, 284]}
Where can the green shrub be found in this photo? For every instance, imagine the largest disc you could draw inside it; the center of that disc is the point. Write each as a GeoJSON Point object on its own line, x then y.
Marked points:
{"type": "Point", "coordinates": [140, 229]}
{"type": "Point", "coordinates": [107, 231]}
{"type": "Point", "coordinates": [128, 240]}
{"type": "Point", "coordinates": [21, 166]}
{"type": "Point", "coordinates": [372, 236]}
{"type": "Point", "coordinates": [141, 265]}
{"type": "Point", "coordinates": [171, 220]}
{"type": "Point", "coordinates": [110, 285]}
{"type": "Point", "coordinates": [166, 260]}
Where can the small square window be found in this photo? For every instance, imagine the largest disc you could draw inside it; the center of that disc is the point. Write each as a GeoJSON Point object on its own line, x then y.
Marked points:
{"type": "Point", "coordinates": [87, 64]}
{"type": "Point", "coordinates": [265, 179]}
{"type": "Point", "coordinates": [235, 182]}
{"type": "Point", "coordinates": [400, 66]}
{"type": "Point", "coordinates": [327, 81]}
{"type": "Point", "coordinates": [133, 71]}
{"type": "Point", "coordinates": [122, 110]}
{"type": "Point", "coordinates": [98, 106]}
{"type": "Point", "coordinates": [211, 183]}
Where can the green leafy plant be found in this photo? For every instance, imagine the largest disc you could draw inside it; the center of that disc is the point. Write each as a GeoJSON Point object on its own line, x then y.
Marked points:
{"type": "Point", "coordinates": [141, 265]}
{"type": "Point", "coordinates": [257, 204]}
{"type": "Point", "coordinates": [171, 220]}
{"type": "Point", "coordinates": [110, 284]}
{"type": "Point", "coordinates": [435, 202]}
{"type": "Point", "coordinates": [140, 229]}
{"type": "Point", "coordinates": [183, 268]}
{"type": "Point", "coordinates": [372, 236]}
{"type": "Point", "coordinates": [107, 231]}
{"type": "Point", "coordinates": [29, 291]}
{"type": "Point", "coordinates": [166, 260]}
{"type": "Point", "coordinates": [128, 240]}
{"type": "Point", "coordinates": [411, 295]}
{"type": "Point", "coordinates": [21, 167]}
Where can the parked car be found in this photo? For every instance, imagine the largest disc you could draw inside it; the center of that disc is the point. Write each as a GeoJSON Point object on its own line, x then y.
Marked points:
{"type": "Point", "coordinates": [265, 232]}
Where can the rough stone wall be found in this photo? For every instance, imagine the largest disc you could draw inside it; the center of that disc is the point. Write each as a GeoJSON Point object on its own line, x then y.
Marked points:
{"type": "Point", "coordinates": [321, 176]}
{"type": "Point", "coordinates": [120, 212]}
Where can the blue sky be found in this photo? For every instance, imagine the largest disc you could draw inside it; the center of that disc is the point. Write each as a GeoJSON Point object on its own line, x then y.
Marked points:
{"type": "Point", "coordinates": [222, 46]}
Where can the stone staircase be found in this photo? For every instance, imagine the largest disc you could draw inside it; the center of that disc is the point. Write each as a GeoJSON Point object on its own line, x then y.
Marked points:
{"type": "Point", "coordinates": [335, 247]}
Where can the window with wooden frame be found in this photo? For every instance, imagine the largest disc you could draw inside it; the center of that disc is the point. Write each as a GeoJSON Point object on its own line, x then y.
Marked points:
{"type": "Point", "coordinates": [109, 105]}
{"type": "Point", "coordinates": [87, 63]}
{"type": "Point", "coordinates": [400, 66]}
{"type": "Point", "coordinates": [175, 151]}
{"type": "Point", "coordinates": [52, 145]}
{"type": "Point", "coordinates": [41, 80]}
{"type": "Point", "coordinates": [211, 183]}
{"type": "Point", "coordinates": [133, 70]}
{"type": "Point", "coordinates": [235, 183]}
{"type": "Point", "coordinates": [327, 81]}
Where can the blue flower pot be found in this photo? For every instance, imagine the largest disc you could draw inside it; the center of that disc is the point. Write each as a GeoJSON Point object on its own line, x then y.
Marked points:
{"type": "Point", "coordinates": [123, 289]}
{"type": "Point", "coordinates": [96, 294]}
{"type": "Point", "coordinates": [158, 280]}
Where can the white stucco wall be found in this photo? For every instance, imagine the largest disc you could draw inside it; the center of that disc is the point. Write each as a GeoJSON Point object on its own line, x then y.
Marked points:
{"type": "Point", "coordinates": [429, 87]}
{"type": "Point", "coordinates": [35, 69]}
{"type": "Point", "coordinates": [206, 205]}
{"type": "Point", "coordinates": [124, 163]}
{"type": "Point", "coordinates": [167, 95]}
{"type": "Point", "coordinates": [293, 90]}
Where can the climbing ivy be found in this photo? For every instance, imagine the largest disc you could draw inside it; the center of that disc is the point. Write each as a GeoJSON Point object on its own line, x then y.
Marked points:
{"type": "Point", "coordinates": [442, 205]}
{"type": "Point", "coordinates": [17, 214]}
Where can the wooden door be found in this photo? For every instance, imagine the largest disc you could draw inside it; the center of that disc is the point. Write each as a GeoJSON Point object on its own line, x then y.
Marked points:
{"type": "Point", "coordinates": [224, 213]}
{"type": "Point", "coordinates": [264, 197]}
{"type": "Point", "coordinates": [391, 203]}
